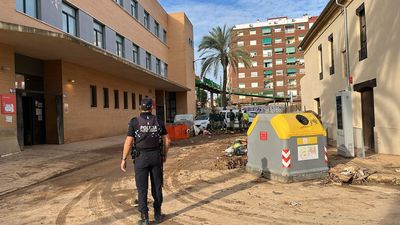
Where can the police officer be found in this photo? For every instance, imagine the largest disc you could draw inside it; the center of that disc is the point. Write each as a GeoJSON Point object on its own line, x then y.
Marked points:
{"type": "Point", "coordinates": [150, 143]}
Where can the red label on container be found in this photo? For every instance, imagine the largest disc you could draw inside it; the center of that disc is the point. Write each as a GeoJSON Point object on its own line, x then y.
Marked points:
{"type": "Point", "coordinates": [8, 104]}
{"type": "Point", "coordinates": [263, 136]}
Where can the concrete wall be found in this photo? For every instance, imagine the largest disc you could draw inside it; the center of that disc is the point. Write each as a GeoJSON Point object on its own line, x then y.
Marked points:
{"type": "Point", "coordinates": [181, 57]}
{"type": "Point", "coordinates": [383, 39]}
{"type": "Point", "coordinates": [8, 131]}
{"type": "Point", "coordinates": [81, 121]}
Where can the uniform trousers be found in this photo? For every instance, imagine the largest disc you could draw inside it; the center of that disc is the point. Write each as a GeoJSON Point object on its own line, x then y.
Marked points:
{"type": "Point", "coordinates": [149, 162]}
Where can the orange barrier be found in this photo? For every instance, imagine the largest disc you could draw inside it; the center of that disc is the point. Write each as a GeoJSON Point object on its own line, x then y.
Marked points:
{"type": "Point", "coordinates": [178, 132]}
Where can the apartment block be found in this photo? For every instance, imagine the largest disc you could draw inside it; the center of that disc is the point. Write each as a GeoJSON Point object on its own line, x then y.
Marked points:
{"type": "Point", "coordinates": [373, 82]}
{"type": "Point", "coordinates": [74, 70]}
{"type": "Point", "coordinates": [277, 63]}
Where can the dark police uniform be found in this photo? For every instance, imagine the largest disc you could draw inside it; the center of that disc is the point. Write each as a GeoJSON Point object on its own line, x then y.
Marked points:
{"type": "Point", "coordinates": [147, 131]}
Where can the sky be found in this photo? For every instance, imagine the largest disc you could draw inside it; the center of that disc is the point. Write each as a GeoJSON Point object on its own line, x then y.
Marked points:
{"type": "Point", "coordinates": [206, 14]}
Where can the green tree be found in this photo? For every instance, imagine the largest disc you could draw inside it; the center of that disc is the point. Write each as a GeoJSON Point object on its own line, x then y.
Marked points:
{"type": "Point", "coordinates": [219, 48]}
{"type": "Point", "coordinates": [201, 96]}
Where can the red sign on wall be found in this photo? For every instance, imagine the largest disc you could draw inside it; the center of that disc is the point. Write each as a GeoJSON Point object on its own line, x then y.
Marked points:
{"type": "Point", "coordinates": [263, 136]}
{"type": "Point", "coordinates": [8, 104]}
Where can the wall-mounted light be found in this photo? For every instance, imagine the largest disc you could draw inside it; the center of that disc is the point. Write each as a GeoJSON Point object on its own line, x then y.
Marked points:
{"type": "Point", "coordinates": [72, 81]}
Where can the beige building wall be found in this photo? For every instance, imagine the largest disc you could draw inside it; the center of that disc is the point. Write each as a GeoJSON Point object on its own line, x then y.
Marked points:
{"type": "Point", "coordinates": [382, 64]}
{"type": "Point", "coordinates": [80, 117]}
{"type": "Point", "coordinates": [8, 130]}
{"type": "Point", "coordinates": [181, 57]}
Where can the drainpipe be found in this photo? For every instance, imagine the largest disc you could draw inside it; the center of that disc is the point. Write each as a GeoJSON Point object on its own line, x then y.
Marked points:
{"type": "Point", "coordinates": [346, 34]}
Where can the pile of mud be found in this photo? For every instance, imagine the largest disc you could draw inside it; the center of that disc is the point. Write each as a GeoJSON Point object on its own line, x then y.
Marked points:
{"type": "Point", "coordinates": [228, 163]}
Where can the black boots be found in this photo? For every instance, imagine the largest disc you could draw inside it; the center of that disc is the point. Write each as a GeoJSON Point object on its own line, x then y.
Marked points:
{"type": "Point", "coordinates": [157, 216]}
{"type": "Point", "coordinates": [144, 219]}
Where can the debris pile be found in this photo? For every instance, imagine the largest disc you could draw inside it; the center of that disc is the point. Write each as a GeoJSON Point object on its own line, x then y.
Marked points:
{"type": "Point", "coordinates": [235, 156]}
{"type": "Point", "coordinates": [348, 175]}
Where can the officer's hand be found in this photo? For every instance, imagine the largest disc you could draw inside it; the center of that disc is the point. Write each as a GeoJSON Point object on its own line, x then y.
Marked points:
{"type": "Point", "coordinates": [123, 165]}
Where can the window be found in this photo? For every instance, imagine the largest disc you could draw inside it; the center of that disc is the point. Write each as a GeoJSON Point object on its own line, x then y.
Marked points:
{"type": "Point", "coordinates": [242, 85]}
{"type": "Point", "coordinates": [290, 40]}
{"type": "Point", "coordinates": [253, 53]}
{"type": "Point", "coordinates": [292, 82]}
{"type": "Point", "coordinates": [120, 45]}
{"type": "Point", "coordinates": [125, 100]}
{"type": "Point", "coordinates": [278, 40]}
{"type": "Point", "coordinates": [134, 8]}
{"type": "Point", "coordinates": [301, 61]}
{"type": "Point", "coordinates": [28, 7]}
{"type": "Point", "coordinates": [241, 75]}
{"type": "Point", "coordinates": [158, 66]}
{"type": "Point", "coordinates": [135, 50]}
{"type": "Point", "coordinates": [279, 83]}
{"type": "Point", "coordinates": [240, 43]}
{"type": "Point", "coordinates": [254, 63]}
{"type": "Point", "coordinates": [148, 61]}
{"type": "Point", "coordinates": [268, 63]}
{"type": "Point", "coordinates": [280, 94]}
{"type": "Point", "coordinates": [165, 69]}
{"type": "Point", "coordinates": [119, 2]}
{"type": "Point", "coordinates": [140, 99]}
{"type": "Point", "coordinates": [302, 71]}
{"type": "Point", "coordinates": [321, 65]}
{"type": "Point", "coordinates": [267, 41]}
{"type": "Point", "coordinates": [277, 29]}
{"type": "Point", "coordinates": [69, 19]}
{"type": "Point", "coordinates": [291, 61]}
{"type": "Point", "coordinates": [267, 52]}
{"type": "Point", "coordinates": [363, 33]}
{"type": "Point", "coordinates": [240, 33]}
{"type": "Point", "coordinates": [253, 32]}
{"type": "Point", "coordinates": [254, 74]}
{"type": "Point", "coordinates": [331, 56]}
{"type": "Point", "coordinates": [289, 29]}
{"type": "Point", "coordinates": [93, 96]}
{"type": "Point", "coordinates": [266, 30]}
{"type": "Point", "coordinates": [301, 27]}
{"type": "Point", "coordinates": [240, 65]}
{"type": "Point", "coordinates": [291, 71]}
{"type": "Point", "coordinates": [116, 99]}
{"type": "Point", "coordinates": [133, 99]}
{"type": "Point", "coordinates": [290, 50]}
{"type": "Point", "coordinates": [268, 73]}
{"type": "Point", "coordinates": [301, 38]}
{"type": "Point", "coordinates": [268, 84]}
{"type": "Point", "coordinates": [278, 50]}
{"type": "Point", "coordinates": [157, 29]}
{"type": "Point", "coordinates": [292, 93]}
{"type": "Point", "coordinates": [278, 62]}
{"type": "Point", "coordinates": [106, 98]}
{"type": "Point", "coordinates": [253, 42]}
{"type": "Point", "coordinates": [98, 30]}
{"type": "Point", "coordinates": [254, 84]}
{"type": "Point", "coordinates": [279, 72]}
{"type": "Point", "coordinates": [146, 19]}
{"type": "Point", "coordinates": [165, 36]}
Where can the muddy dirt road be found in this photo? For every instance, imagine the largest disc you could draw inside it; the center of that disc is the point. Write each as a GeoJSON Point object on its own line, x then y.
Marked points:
{"type": "Point", "coordinates": [196, 192]}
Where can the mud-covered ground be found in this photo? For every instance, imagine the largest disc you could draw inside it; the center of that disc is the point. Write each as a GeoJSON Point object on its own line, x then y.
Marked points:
{"type": "Point", "coordinates": [198, 190]}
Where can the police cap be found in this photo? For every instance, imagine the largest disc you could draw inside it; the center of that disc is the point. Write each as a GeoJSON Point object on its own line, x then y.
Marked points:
{"type": "Point", "coordinates": [146, 104]}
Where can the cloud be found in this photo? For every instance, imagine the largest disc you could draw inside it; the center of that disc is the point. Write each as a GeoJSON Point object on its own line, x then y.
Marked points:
{"type": "Point", "coordinates": [208, 14]}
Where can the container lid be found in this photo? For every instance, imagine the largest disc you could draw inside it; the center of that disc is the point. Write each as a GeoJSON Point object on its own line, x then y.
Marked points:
{"type": "Point", "coordinates": [297, 125]}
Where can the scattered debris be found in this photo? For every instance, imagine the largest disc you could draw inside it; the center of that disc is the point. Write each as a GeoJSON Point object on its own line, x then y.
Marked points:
{"type": "Point", "coordinates": [294, 204]}
{"type": "Point", "coordinates": [239, 147]}
{"type": "Point", "coordinates": [397, 170]}
{"type": "Point", "coordinates": [277, 193]}
{"type": "Point", "coordinates": [348, 175]}
{"type": "Point", "coordinates": [232, 162]}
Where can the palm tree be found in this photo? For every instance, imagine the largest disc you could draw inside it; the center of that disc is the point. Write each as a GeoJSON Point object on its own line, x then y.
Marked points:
{"type": "Point", "coordinates": [219, 48]}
